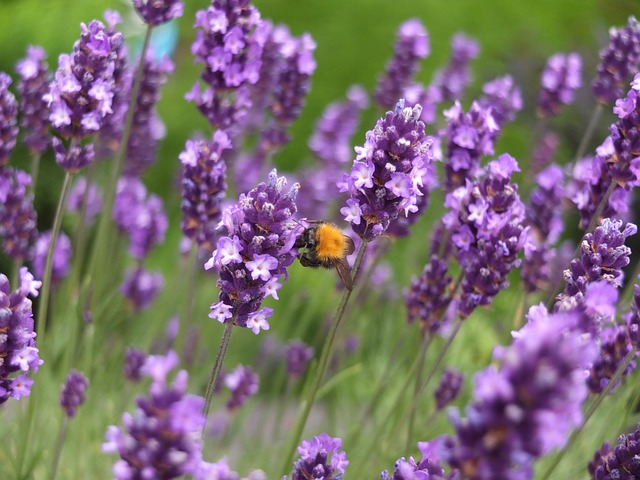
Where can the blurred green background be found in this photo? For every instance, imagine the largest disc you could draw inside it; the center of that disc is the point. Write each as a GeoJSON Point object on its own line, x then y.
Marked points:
{"type": "Point", "coordinates": [354, 42]}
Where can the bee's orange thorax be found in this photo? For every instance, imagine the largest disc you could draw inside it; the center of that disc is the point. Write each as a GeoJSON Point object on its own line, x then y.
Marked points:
{"type": "Point", "coordinates": [330, 242]}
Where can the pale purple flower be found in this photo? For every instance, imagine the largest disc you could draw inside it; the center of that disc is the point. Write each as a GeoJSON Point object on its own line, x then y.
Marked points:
{"type": "Point", "coordinates": [18, 218]}
{"type": "Point", "coordinates": [85, 197]}
{"type": "Point", "coordinates": [62, 253]}
{"type": "Point", "coordinates": [428, 468]}
{"type": "Point", "coordinates": [320, 458]}
{"type": "Point", "coordinates": [157, 12]}
{"type": "Point", "coordinates": [503, 97]}
{"type": "Point", "coordinates": [134, 360]}
{"type": "Point", "coordinates": [452, 80]}
{"type": "Point", "coordinates": [561, 77]}
{"type": "Point", "coordinates": [140, 287]}
{"type": "Point", "coordinates": [74, 392]}
{"type": "Point", "coordinates": [243, 383]}
{"type": "Point", "coordinates": [297, 355]}
{"type": "Point", "coordinates": [8, 119]}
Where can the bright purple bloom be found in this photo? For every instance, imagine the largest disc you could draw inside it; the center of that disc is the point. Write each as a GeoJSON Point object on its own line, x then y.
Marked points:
{"type": "Point", "coordinates": [503, 97]}
{"type": "Point", "coordinates": [298, 354]}
{"type": "Point", "coordinates": [470, 136]}
{"type": "Point", "coordinates": [33, 85]}
{"type": "Point", "coordinates": [8, 119]}
{"type": "Point", "coordinates": [157, 12]}
{"type": "Point", "coordinates": [61, 256]}
{"type": "Point", "coordinates": [528, 403]}
{"type": "Point", "coordinates": [243, 383]}
{"type": "Point", "coordinates": [204, 187]}
{"type": "Point", "coordinates": [620, 462]}
{"type": "Point", "coordinates": [140, 215]}
{"type": "Point", "coordinates": [163, 438]}
{"type": "Point", "coordinates": [386, 178]}
{"type": "Point", "coordinates": [412, 45]}
{"type": "Point", "coordinates": [18, 219]}
{"type": "Point", "coordinates": [17, 339]}
{"type": "Point", "coordinates": [456, 76]}
{"type": "Point", "coordinates": [85, 198]}
{"type": "Point", "coordinates": [428, 468]}
{"type": "Point", "coordinates": [428, 297]}
{"type": "Point", "coordinates": [230, 37]}
{"type": "Point", "coordinates": [561, 77]}
{"type": "Point", "coordinates": [449, 387]}
{"type": "Point", "coordinates": [320, 458]}
{"type": "Point", "coordinates": [134, 360]}
{"type": "Point", "coordinates": [618, 61]}
{"type": "Point", "coordinates": [259, 225]}
{"type": "Point", "coordinates": [486, 224]}
{"type": "Point", "coordinates": [74, 392]}
{"type": "Point", "coordinates": [140, 287]}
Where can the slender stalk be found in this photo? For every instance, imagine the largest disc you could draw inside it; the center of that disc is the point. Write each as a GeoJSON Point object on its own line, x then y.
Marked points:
{"type": "Point", "coordinates": [412, 418]}
{"type": "Point", "coordinates": [59, 444]}
{"type": "Point", "coordinates": [46, 278]}
{"type": "Point", "coordinates": [590, 411]}
{"type": "Point", "coordinates": [103, 236]}
{"type": "Point", "coordinates": [35, 166]}
{"type": "Point", "coordinates": [309, 399]}
{"type": "Point", "coordinates": [215, 371]}
{"type": "Point", "coordinates": [189, 269]}
{"type": "Point", "coordinates": [586, 138]}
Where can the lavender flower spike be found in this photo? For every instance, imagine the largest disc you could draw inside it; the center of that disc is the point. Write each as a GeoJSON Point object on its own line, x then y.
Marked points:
{"type": "Point", "coordinates": [74, 392]}
{"type": "Point", "coordinates": [17, 338]}
{"type": "Point", "coordinates": [8, 119]}
{"type": "Point", "coordinates": [428, 468]}
{"type": "Point", "coordinates": [560, 79]}
{"type": "Point", "coordinates": [243, 383]}
{"type": "Point", "coordinates": [386, 177]}
{"type": "Point", "coordinates": [141, 287]}
{"type": "Point", "coordinates": [18, 219]}
{"type": "Point", "coordinates": [320, 458]}
{"type": "Point", "coordinates": [157, 12]}
{"type": "Point", "coordinates": [254, 257]}
{"type": "Point", "coordinates": [620, 462]}
{"type": "Point", "coordinates": [448, 388]}
{"type": "Point", "coordinates": [452, 81]}
{"type": "Point", "coordinates": [61, 256]}
{"type": "Point", "coordinates": [412, 45]}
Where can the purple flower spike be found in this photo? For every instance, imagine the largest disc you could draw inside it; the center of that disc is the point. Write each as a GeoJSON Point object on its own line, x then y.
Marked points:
{"type": "Point", "coordinates": [79, 195]}
{"type": "Point", "coordinates": [157, 12]}
{"type": "Point", "coordinates": [412, 45]}
{"type": "Point", "coordinates": [134, 360]}
{"type": "Point", "coordinates": [518, 413]}
{"type": "Point", "coordinates": [298, 355]}
{"type": "Point", "coordinates": [449, 387]}
{"type": "Point", "coordinates": [17, 338]}
{"type": "Point", "coordinates": [260, 229]}
{"type": "Point", "coordinates": [74, 392]}
{"type": "Point", "coordinates": [18, 219]}
{"type": "Point", "coordinates": [503, 98]}
{"type": "Point", "coordinates": [163, 438]}
{"type": "Point", "coordinates": [469, 137]}
{"type": "Point", "coordinates": [618, 61]}
{"type": "Point", "coordinates": [428, 468]}
{"type": "Point", "coordinates": [456, 76]}
{"type": "Point", "coordinates": [386, 178]}
{"type": "Point", "coordinates": [80, 97]}
{"type": "Point", "coordinates": [33, 86]}
{"type": "Point", "coordinates": [620, 462]}
{"type": "Point", "coordinates": [561, 77]}
{"type": "Point", "coordinates": [141, 287]}
{"type": "Point", "coordinates": [8, 119]}
{"type": "Point", "coordinates": [486, 224]}
{"type": "Point", "coordinates": [243, 383]}
{"type": "Point", "coordinates": [320, 458]}
{"type": "Point", "coordinates": [203, 188]}
{"type": "Point", "coordinates": [61, 256]}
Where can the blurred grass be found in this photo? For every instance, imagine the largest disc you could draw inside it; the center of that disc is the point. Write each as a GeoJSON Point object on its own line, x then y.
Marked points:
{"type": "Point", "coordinates": [355, 40]}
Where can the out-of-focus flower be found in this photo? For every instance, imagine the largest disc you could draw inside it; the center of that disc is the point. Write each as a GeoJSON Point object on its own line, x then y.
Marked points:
{"type": "Point", "coordinates": [61, 256]}
{"type": "Point", "coordinates": [84, 196]}
{"type": "Point", "coordinates": [74, 392]}
{"type": "Point", "coordinates": [134, 360]}
{"type": "Point", "coordinates": [428, 468]}
{"type": "Point", "coordinates": [8, 119]}
{"type": "Point", "coordinates": [298, 354]}
{"type": "Point", "coordinates": [157, 12]}
{"type": "Point", "coordinates": [449, 387]}
{"type": "Point", "coordinates": [452, 80]}
{"type": "Point", "coordinates": [141, 287]}
{"type": "Point", "coordinates": [561, 77]}
{"type": "Point", "coordinates": [503, 97]}
{"type": "Point", "coordinates": [18, 219]}
{"type": "Point", "coordinates": [320, 458]}
{"type": "Point", "coordinates": [243, 383]}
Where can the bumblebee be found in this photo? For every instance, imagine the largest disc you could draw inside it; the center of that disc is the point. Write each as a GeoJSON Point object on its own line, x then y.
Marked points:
{"type": "Point", "coordinates": [322, 244]}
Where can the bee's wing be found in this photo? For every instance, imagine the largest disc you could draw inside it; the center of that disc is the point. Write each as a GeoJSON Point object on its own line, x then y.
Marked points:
{"type": "Point", "coordinates": [350, 246]}
{"type": "Point", "coordinates": [344, 272]}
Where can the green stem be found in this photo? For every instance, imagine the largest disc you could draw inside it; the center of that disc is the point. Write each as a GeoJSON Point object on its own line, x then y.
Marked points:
{"type": "Point", "coordinates": [189, 269]}
{"type": "Point", "coordinates": [307, 403]}
{"type": "Point", "coordinates": [46, 278]}
{"type": "Point", "coordinates": [35, 166]}
{"type": "Point", "coordinates": [99, 255]}
{"type": "Point", "coordinates": [412, 417]}
{"type": "Point", "coordinates": [215, 371]}
{"type": "Point", "coordinates": [586, 138]}
{"type": "Point", "coordinates": [590, 411]}
{"type": "Point", "coordinates": [59, 444]}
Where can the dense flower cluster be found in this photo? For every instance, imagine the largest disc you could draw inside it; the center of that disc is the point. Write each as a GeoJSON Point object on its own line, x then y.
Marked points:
{"type": "Point", "coordinates": [162, 439]}
{"type": "Point", "coordinates": [33, 86]}
{"type": "Point", "coordinates": [320, 458]}
{"type": "Point", "coordinates": [18, 219]}
{"type": "Point", "coordinates": [74, 392]}
{"type": "Point", "coordinates": [254, 257]}
{"type": "Point", "coordinates": [8, 119]}
{"type": "Point", "coordinates": [157, 12]}
{"type": "Point", "coordinates": [517, 414]}
{"type": "Point", "coordinates": [428, 468]}
{"type": "Point", "coordinates": [61, 256]}
{"type": "Point", "coordinates": [203, 188]}
{"type": "Point", "coordinates": [503, 98]}
{"type": "Point", "coordinates": [469, 137]}
{"type": "Point", "coordinates": [243, 383]}
{"type": "Point", "coordinates": [561, 77]}
{"type": "Point", "coordinates": [618, 61]}
{"type": "Point", "coordinates": [412, 45]}
{"type": "Point", "coordinates": [17, 338]}
{"type": "Point", "coordinates": [140, 287]}
{"type": "Point", "coordinates": [386, 177]}
{"type": "Point", "coordinates": [620, 462]}
{"type": "Point", "coordinates": [456, 76]}
{"type": "Point", "coordinates": [486, 224]}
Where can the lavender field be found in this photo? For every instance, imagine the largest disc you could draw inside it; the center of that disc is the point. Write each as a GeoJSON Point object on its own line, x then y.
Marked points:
{"type": "Point", "coordinates": [463, 175]}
